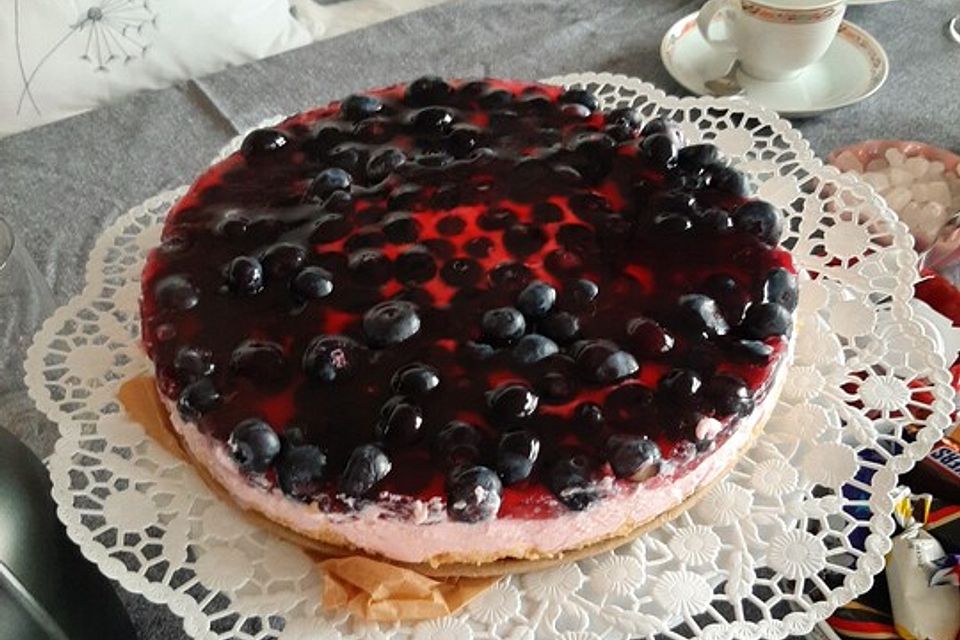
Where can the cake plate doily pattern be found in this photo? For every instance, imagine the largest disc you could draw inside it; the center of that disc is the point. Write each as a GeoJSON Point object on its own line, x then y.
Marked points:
{"type": "Point", "coordinates": [799, 527]}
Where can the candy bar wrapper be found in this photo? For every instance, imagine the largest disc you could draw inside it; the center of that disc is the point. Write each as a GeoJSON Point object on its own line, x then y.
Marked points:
{"type": "Point", "coordinates": [367, 588]}
{"type": "Point", "coordinates": [922, 608]}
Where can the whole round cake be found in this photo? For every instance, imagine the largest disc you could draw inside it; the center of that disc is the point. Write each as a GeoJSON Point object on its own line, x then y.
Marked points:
{"type": "Point", "coordinates": [464, 322]}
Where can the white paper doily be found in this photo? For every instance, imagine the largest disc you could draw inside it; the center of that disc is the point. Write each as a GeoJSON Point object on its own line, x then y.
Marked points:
{"type": "Point", "coordinates": [797, 529]}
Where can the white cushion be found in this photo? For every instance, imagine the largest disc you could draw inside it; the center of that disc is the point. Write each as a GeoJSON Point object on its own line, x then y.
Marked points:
{"type": "Point", "coordinates": [328, 20]}
{"type": "Point", "coordinates": [75, 55]}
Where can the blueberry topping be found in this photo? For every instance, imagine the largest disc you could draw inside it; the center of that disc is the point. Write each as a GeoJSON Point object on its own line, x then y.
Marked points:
{"type": "Point", "coordinates": [569, 479]}
{"type": "Point", "coordinates": [254, 445]}
{"type": "Point", "coordinates": [461, 272]}
{"type": "Point", "coordinates": [245, 276]}
{"type": "Point", "coordinates": [728, 179]}
{"type": "Point", "coordinates": [727, 294]}
{"type": "Point", "coordinates": [556, 387]}
{"type": "Point", "coordinates": [433, 121]}
{"type": "Point", "coordinates": [512, 401]}
{"type": "Point", "coordinates": [634, 457]}
{"type": "Point", "coordinates": [516, 455]}
{"type": "Point", "coordinates": [328, 181]}
{"type": "Point", "coordinates": [415, 379]}
{"type": "Point", "coordinates": [714, 219]}
{"type": "Point", "coordinates": [462, 139]}
{"type": "Point", "coordinates": [580, 293]}
{"type": "Point", "coordinates": [370, 266]}
{"type": "Point", "coordinates": [524, 239]}
{"type": "Point", "coordinates": [258, 360]}
{"type": "Point", "coordinates": [671, 223]}
{"type": "Point", "coordinates": [496, 99]}
{"type": "Point", "coordinates": [300, 470]}
{"type": "Point", "coordinates": [330, 227]}
{"type": "Point", "coordinates": [191, 364]}
{"type": "Point", "coordinates": [780, 286]}
{"type": "Point", "coordinates": [283, 259]}
{"type": "Point", "coordinates": [427, 90]}
{"type": "Point", "coordinates": [729, 395]}
{"type": "Point", "coordinates": [560, 326]}
{"type": "Point", "coordinates": [679, 387]}
{"type": "Point", "coordinates": [603, 362]}
{"type": "Point", "coordinates": [401, 228]}
{"type": "Point", "coordinates": [754, 351]}
{"type": "Point", "coordinates": [262, 142]}
{"type": "Point", "coordinates": [332, 358]}
{"type": "Point", "coordinates": [176, 293]}
{"type": "Point", "coordinates": [533, 348]}
{"type": "Point", "coordinates": [697, 156]}
{"type": "Point", "coordinates": [312, 283]}
{"type": "Point", "coordinates": [580, 96]}
{"type": "Point", "coordinates": [660, 148]}
{"type": "Point", "coordinates": [197, 398]}
{"type": "Point", "coordinates": [536, 299]}
{"type": "Point", "coordinates": [502, 325]}
{"type": "Point", "coordinates": [391, 322]}
{"type": "Point", "coordinates": [761, 219]}
{"type": "Point", "coordinates": [629, 406]}
{"type": "Point", "coordinates": [546, 213]}
{"type": "Point", "coordinates": [401, 421]}
{"type": "Point", "coordinates": [477, 351]}
{"type": "Point", "coordinates": [457, 443]}
{"type": "Point", "coordinates": [510, 276]}
{"type": "Point", "coordinates": [588, 416]}
{"type": "Point", "coordinates": [766, 319]}
{"type": "Point", "coordinates": [494, 219]}
{"type": "Point", "coordinates": [384, 162]}
{"type": "Point", "coordinates": [657, 125]}
{"type": "Point", "coordinates": [648, 338]}
{"type": "Point", "coordinates": [358, 107]}
{"type": "Point", "coordinates": [415, 265]}
{"type": "Point", "coordinates": [473, 494]}
{"type": "Point", "coordinates": [700, 314]}
{"type": "Point", "coordinates": [576, 111]}
{"type": "Point", "coordinates": [628, 116]}
{"type": "Point", "coordinates": [368, 465]}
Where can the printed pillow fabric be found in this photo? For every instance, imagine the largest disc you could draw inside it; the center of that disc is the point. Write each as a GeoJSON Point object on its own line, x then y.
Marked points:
{"type": "Point", "coordinates": [62, 57]}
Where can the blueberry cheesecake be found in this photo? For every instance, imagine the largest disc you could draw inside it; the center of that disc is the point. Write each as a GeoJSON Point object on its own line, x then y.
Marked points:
{"type": "Point", "coordinates": [462, 322]}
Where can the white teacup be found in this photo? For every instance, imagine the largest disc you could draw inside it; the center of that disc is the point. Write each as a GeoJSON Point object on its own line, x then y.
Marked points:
{"type": "Point", "coordinates": [772, 39]}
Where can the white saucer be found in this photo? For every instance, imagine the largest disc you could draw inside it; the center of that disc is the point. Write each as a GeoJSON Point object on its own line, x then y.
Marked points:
{"type": "Point", "coordinates": [858, 2]}
{"type": "Point", "coordinates": [852, 69]}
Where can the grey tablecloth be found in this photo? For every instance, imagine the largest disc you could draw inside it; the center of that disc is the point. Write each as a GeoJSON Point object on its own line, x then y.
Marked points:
{"type": "Point", "coordinates": [62, 184]}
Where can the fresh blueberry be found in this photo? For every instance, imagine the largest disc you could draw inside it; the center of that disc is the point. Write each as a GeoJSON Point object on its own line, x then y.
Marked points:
{"type": "Point", "coordinates": [780, 286]}
{"type": "Point", "coordinates": [604, 363]}
{"type": "Point", "coordinates": [312, 283]}
{"type": "Point", "coordinates": [176, 293]}
{"type": "Point", "coordinates": [556, 387]}
{"type": "Point", "coordinates": [391, 322]}
{"type": "Point", "coordinates": [348, 157]}
{"type": "Point", "coordinates": [330, 227]}
{"type": "Point", "coordinates": [368, 465]}
{"type": "Point", "coordinates": [697, 156]}
{"type": "Point", "coordinates": [300, 470]}
{"type": "Point", "coordinates": [370, 266]}
{"type": "Point", "coordinates": [245, 276]}
{"type": "Point", "coordinates": [760, 219]}
{"type": "Point", "coordinates": [679, 387]}
{"type": "Point", "coordinates": [462, 139]}
{"type": "Point", "coordinates": [384, 162]}
{"type": "Point", "coordinates": [580, 96]}
{"type": "Point", "coordinates": [728, 179]}
{"type": "Point", "coordinates": [258, 360]}
{"type": "Point", "coordinates": [569, 479]}
{"type": "Point", "coordinates": [655, 126]}
{"type": "Point", "coordinates": [578, 294]}
{"type": "Point", "coordinates": [536, 299]}
{"type": "Point", "coordinates": [197, 398]}
{"type": "Point", "coordinates": [261, 142]}
{"type": "Point", "coordinates": [433, 121]}
{"type": "Point", "coordinates": [766, 319]}
{"type": "Point", "coordinates": [401, 228]}
{"type": "Point", "coordinates": [729, 395]}
{"type": "Point", "coordinates": [374, 130]}
{"type": "Point", "coordinates": [547, 213]}
{"type": "Point", "coordinates": [254, 445]}
{"type": "Point", "coordinates": [700, 314]}
{"type": "Point", "coordinates": [475, 352]}
{"type": "Point", "coordinates": [629, 406]}
{"type": "Point", "coordinates": [714, 219]}
{"type": "Point", "coordinates": [457, 443]}
{"type": "Point", "coordinates": [754, 351]}
{"type": "Point", "coordinates": [523, 240]}
{"type": "Point", "coordinates": [415, 379]}
{"type": "Point", "coordinates": [427, 90]}
{"type": "Point", "coordinates": [628, 116]}
{"type": "Point", "coordinates": [283, 259]}
{"type": "Point", "coordinates": [365, 238]}
{"type": "Point", "coordinates": [496, 99]}
{"type": "Point", "coordinates": [331, 358]}
{"type": "Point", "coordinates": [634, 457]}
{"type": "Point", "coordinates": [479, 247]}
{"type": "Point", "coordinates": [517, 453]}
{"type": "Point", "coordinates": [502, 325]}
{"type": "Point", "coordinates": [401, 421]}
{"type": "Point", "coordinates": [510, 276]}
{"type": "Point", "coordinates": [648, 338]}
{"type": "Point", "coordinates": [512, 401]}
{"type": "Point", "coordinates": [660, 148]}
{"type": "Point", "coordinates": [461, 272]}
{"type": "Point", "coordinates": [560, 326]}
{"type": "Point", "coordinates": [358, 107]}
{"type": "Point", "coordinates": [328, 181]}
{"type": "Point", "coordinates": [473, 494]}
{"type": "Point", "coordinates": [588, 417]}
{"type": "Point", "coordinates": [576, 111]}
{"type": "Point", "coordinates": [191, 364]}
{"type": "Point", "coordinates": [533, 348]}
{"type": "Point", "coordinates": [669, 222]}
{"type": "Point", "coordinates": [495, 219]}
{"type": "Point", "coordinates": [415, 265]}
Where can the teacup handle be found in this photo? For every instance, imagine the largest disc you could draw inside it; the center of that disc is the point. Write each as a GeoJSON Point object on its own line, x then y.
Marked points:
{"type": "Point", "coordinates": [727, 10]}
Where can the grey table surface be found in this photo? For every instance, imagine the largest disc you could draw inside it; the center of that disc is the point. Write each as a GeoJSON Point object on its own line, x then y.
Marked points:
{"type": "Point", "coordinates": [62, 184]}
